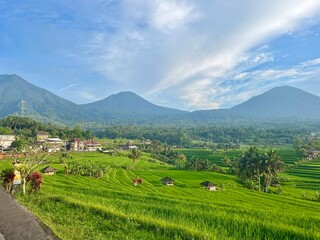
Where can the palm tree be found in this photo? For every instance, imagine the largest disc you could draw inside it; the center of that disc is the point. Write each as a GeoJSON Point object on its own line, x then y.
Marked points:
{"type": "Point", "coordinates": [272, 164]}
{"type": "Point", "coordinates": [134, 154]}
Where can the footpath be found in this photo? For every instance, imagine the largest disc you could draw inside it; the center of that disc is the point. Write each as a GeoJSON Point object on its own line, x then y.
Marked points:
{"type": "Point", "coordinates": [17, 223]}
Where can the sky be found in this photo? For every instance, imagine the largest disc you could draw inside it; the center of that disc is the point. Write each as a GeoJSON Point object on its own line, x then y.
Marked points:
{"type": "Point", "coordinates": [182, 54]}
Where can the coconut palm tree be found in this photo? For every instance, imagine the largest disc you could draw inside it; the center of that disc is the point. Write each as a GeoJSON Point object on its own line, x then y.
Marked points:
{"type": "Point", "coordinates": [272, 164]}
{"type": "Point", "coordinates": [134, 154]}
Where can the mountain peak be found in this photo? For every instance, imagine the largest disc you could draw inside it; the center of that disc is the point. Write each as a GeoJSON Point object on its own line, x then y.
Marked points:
{"type": "Point", "coordinates": [284, 101]}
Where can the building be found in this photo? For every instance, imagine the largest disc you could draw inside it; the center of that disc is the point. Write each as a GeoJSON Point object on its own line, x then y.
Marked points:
{"type": "Point", "coordinates": [209, 186]}
{"type": "Point", "coordinates": [6, 141]}
{"type": "Point", "coordinates": [50, 170]}
{"type": "Point", "coordinates": [42, 136]}
{"type": "Point", "coordinates": [148, 142]}
{"type": "Point", "coordinates": [55, 144]}
{"type": "Point", "coordinates": [167, 181]}
{"type": "Point", "coordinates": [91, 145]}
{"type": "Point", "coordinates": [313, 154]}
{"type": "Point", "coordinates": [76, 144]}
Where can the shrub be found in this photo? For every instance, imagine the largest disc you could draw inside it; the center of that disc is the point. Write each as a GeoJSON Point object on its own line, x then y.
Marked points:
{"type": "Point", "coordinates": [35, 180]}
{"type": "Point", "coordinates": [7, 177]}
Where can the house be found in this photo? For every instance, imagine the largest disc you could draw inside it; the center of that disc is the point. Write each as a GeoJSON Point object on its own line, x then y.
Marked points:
{"type": "Point", "coordinates": [167, 181]}
{"type": "Point", "coordinates": [42, 136]}
{"type": "Point", "coordinates": [133, 147]}
{"type": "Point", "coordinates": [123, 147]}
{"type": "Point", "coordinates": [6, 141]}
{"type": "Point", "coordinates": [49, 170]}
{"type": "Point", "coordinates": [209, 186]}
{"type": "Point", "coordinates": [55, 144]}
{"type": "Point", "coordinates": [91, 145]}
{"type": "Point", "coordinates": [313, 153]}
{"type": "Point", "coordinates": [76, 144]}
{"type": "Point", "coordinates": [148, 142]}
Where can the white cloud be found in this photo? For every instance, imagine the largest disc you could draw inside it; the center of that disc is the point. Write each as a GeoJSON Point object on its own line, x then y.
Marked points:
{"type": "Point", "coordinates": [195, 54]}
{"type": "Point", "coordinates": [170, 14]}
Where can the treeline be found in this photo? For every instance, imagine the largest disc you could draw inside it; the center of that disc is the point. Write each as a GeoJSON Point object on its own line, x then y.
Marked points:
{"type": "Point", "coordinates": [26, 129]}
{"type": "Point", "coordinates": [207, 136]}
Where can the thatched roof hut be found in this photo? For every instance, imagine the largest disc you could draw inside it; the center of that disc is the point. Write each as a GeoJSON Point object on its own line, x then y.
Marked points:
{"type": "Point", "coordinates": [50, 170]}
{"type": "Point", "coordinates": [167, 181]}
{"type": "Point", "coordinates": [209, 186]}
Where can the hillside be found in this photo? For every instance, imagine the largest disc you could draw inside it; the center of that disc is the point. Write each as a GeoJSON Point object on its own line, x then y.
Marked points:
{"type": "Point", "coordinates": [21, 97]}
{"type": "Point", "coordinates": [81, 207]}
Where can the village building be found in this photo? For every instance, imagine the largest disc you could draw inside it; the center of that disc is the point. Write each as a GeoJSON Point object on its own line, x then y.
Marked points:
{"type": "Point", "coordinates": [313, 154]}
{"type": "Point", "coordinates": [133, 147]}
{"type": "Point", "coordinates": [42, 136]}
{"type": "Point", "coordinates": [148, 142]}
{"type": "Point", "coordinates": [91, 145]}
{"type": "Point", "coordinates": [209, 186]}
{"type": "Point", "coordinates": [55, 144]}
{"type": "Point", "coordinates": [167, 181]}
{"type": "Point", "coordinates": [76, 144]}
{"type": "Point", "coordinates": [50, 170]}
{"type": "Point", "coordinates": [6, 141]}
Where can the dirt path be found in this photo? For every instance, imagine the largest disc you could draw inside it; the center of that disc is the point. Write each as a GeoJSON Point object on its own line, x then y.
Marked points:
{"type": "Point", "coordinates": [17, 223]}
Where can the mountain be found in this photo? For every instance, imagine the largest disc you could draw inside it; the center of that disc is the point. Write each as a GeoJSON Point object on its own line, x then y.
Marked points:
{"type": "Point", "coordinates": [18, 96]}
{"type": "Point", "coordinates": [129, 107]}
{"type": "Point", "coordinates": [21, 97]}
{"type": "Point", "coordinates": [281, 102]}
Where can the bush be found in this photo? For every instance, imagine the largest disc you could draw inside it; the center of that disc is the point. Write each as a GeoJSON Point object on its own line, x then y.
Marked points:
{"type": "Point", "coordinates": [35, 180]}
{"type": "Point", "coordinates": [7, 177]}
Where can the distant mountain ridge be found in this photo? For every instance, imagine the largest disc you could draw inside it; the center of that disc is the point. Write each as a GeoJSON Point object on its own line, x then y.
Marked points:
{"type": "Point", "coordinates": [23, 98]}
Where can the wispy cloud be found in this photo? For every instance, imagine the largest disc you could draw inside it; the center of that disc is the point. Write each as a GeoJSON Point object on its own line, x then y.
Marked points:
{"type": "Point", "coordinates": [189, 54]}
{"type": "Point", "coordinates": [69, 86]}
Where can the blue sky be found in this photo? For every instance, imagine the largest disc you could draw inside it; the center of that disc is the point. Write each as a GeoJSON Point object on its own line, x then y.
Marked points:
{"type": "Point", "coordinates": [178, 53]}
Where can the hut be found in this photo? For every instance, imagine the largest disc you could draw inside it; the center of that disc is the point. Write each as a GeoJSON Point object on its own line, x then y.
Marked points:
{"type": "Point", "coordinates": [209, 186]}
{"type": "Point", "coordinates": [49, 170]}
{"type": "Point", "coordinates": [167, 181]}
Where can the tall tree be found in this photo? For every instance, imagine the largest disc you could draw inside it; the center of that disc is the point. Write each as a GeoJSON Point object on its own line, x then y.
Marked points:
{"type": "Point", "coordinates": [134, 154]}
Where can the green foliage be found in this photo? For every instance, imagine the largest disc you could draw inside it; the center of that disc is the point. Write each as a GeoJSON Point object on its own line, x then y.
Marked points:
{"type": "Point", "coordinates": [258, 168]}
{"type": "Point", "coordinates": [7, 177]}
{"type": "Point", "coordinates": [26, 129]}
{"type": "Point", "coordinates": [134, 154]}
{"type": "Point", "coordinates": [86, 168]}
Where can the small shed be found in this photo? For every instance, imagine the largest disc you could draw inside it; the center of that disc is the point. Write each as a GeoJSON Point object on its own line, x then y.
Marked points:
{"type": "Point", "coordinates": [209, 186]}
{"type": "Point", "coordinates": [167, 181]}
{"type": "Point", "coordinates": [50, 170]}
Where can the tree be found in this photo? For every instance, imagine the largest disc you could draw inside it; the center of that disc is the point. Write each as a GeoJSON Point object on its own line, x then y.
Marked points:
{"type": "Point", "coordinates": [195, 163]}
{"type": "Point", "coordinates": [258, 167]}
{"type": "Point", "coordinates": [134, 154]}
{"type": "Point", "coordinates": [181, 161]}
{"type": "Point", "coordinates": [272, 164]}
{"type": "Point", "coordinates": [27, 165]}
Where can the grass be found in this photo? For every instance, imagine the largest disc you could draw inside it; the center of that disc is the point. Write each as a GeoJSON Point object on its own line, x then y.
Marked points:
{"type": "Point", "coordinates": [77, 207]}
{"type": "Point", "coordinates": [215, 157]}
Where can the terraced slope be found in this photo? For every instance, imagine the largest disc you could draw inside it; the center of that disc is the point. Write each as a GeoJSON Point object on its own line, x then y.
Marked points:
{"type": "Point", "coordinates": [78, 207]}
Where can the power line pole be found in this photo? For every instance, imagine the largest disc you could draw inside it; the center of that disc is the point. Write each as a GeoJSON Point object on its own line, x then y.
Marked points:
{"type": "Point", "coordinates": [23, 107]}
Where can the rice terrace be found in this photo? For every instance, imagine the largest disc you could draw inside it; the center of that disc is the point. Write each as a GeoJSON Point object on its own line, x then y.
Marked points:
{"type": "Point", "coordinates": [111, 207]}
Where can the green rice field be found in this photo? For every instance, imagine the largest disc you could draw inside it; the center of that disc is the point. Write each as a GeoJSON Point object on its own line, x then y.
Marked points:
{"type": "Point", "coordinates": [78, 207]}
